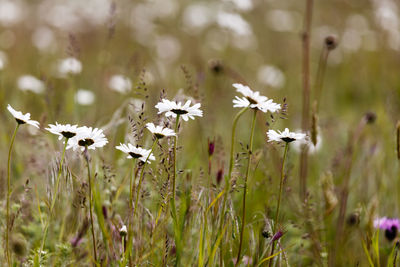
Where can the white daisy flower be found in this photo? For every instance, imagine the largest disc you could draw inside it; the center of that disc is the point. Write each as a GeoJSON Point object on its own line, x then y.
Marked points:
{"type": "Point", "coordinates": [70, 65]}
{"type": "Point", "coordinates": [21, 118]}
{"type": "Point", "coordinates": [120, 83]}
{"type": "Point", "coordinates": [173, 109]}
{"type": "Point", "coordinates": [253, 99]}
{"type": "Point", "coordinates": [136, 152]}
{"type": "Point", "coordinates": [87, 137]}
{"type": "Point", "coordinates": [30, 83]}
{"type": "Point", "coordinates": [123, 231]}
{"type": "Point", "coordinates": [159, 131]}
{"type": "Point", "coordinates": [63, 130]}
{"type": "Point", "coordinates": [285, 136]}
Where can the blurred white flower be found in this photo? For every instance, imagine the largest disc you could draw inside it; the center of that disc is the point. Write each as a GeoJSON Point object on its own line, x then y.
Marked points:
{"type": "Point", "coordinates": [21, 118]}
{"type": "Point", "coordinates": [173, 109]}
{"type": "Point", "coordinates": [120, 83]}
{"type": "Point", "coordinates": [63, 130]}
{"type": "Point", "coordinates": [30, 83]}
{"type": "Point", "coordinates": [253, 100]}
{"type": "Point", "coordinates": [70, 65]}
{"type": "Point", "coordinates": [234, 22]}
{"type": "Point", "coordinates": [283, 20]}
{"type": "Point", "coordinates": [84, 97]}
{"type": "Point", "coordinates": [87, 137]}
{"type": "Point", "coordinates": [10, 13]}
{"type": "Point", "coordinates": [168, 48]}
{"type": "Point", "coordinates": [159, 131]}
{"type": "Point", "coordinates": [285, 136]}
{"type": "Point", "coordinates": [198, 16]}
{"type": "Point", "coordinates": [312, 149]}
{"type": "Point", "coordinates": [136, 152]}
{"type": "Point", "coordinates": [243, 5]}
{"type": "Point", "coordinates": [43, 38]}
{"type": "Point", "coordinates": [271, 76]}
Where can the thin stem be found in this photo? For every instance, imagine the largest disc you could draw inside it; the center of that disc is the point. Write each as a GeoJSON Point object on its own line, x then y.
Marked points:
{"type": "Point", "coordinates": [8, 195]}
{"type": "Point", "coordinates": [228, 179]}
{"type": "Point", "coordinates": [141, 178]}
{"type": "Point", "coordinates": [279, 197]}
{"type": "Point", "coordinates": [90, 205]}
{"type": "Point", "coordinates": [54, 198]}
{"type": "Point", "coordinates": [245, 187]}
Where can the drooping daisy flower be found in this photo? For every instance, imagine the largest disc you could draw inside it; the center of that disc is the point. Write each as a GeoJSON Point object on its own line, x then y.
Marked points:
{"type": "Point", "coordinates": [390, 225]}
{"type": "Point", "coordinates": [253, 99]}
{"type": "Point", "coordinates": [70, 65]}
{"type": "Point", "coordinates": [63, 130]}
{"type": "Point", "coordinates": [285, 136]}
{"type": "Point", "coordinates": [136, 152]}
{"type": "Point", "coordinates": [159, 131]}
{"type": "Point", "coordinates": [173, 109]}
{"type": "Point", "coordinates": [21, 118]}
{"type": "Point", "coordinates": [120, 83]}
{"type": "Point", "coordinates": [30, 83]}
{"type": "Point", "coordinates": [87, 137]}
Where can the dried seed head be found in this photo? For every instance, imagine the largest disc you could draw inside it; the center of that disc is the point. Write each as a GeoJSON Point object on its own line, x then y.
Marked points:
{"type": "Point", "coordinates": [329, 192]}
{"type": "Point", "coordinates": [331, 42]}
{"type": "Point", "coordinates": [370, 117]}
{"type": "Point", "coordinates": [211, 147]}
{"type": "Point", "coordinates": [216, 66]}
{"type": "Point", "coordinates": [220, 174]}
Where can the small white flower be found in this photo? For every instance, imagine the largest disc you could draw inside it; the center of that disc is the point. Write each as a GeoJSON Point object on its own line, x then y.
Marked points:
{"type": "Point", "coordinates": [159, 131]}
{"type": "Point", "coordinates": [30, 83]}
{"type": "Point", "coordinates": [253, 99]}
{"type": "Point", "coordinates": [21, 118]}
{"type": "Point", "coordinates": [84, 97]}
{"type": "Point", "coordinates": [123, 231]}
{"type": "Point", "coordinates": [136, 152]}
{"type": "Point", "coordinates": [173, 109]}
{"type": "Point", "coordinates": [70, 65]}
{"type": "Point", "coordinates": [285, 136]}
{"type": "Point", "coordinates": [3, 60]}
{"type": "Point", "coordinates": [87, 137]}
{"type": "Point", "coordinates": [63, 130]}
{"type": "Point", "coordinates": [120, 83]}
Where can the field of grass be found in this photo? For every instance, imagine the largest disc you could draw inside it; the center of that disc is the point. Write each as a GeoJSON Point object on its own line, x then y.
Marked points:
{"type": "Point", "coordinates": [221, 192]}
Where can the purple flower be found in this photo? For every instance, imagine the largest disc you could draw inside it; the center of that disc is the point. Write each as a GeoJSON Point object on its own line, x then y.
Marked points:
{"type": "Point", "coordinates": [390, 225]}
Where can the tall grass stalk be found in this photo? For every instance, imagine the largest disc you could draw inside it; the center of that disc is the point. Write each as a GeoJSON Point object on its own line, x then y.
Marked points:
{"type": "Point", "coordinates": [253, 123]}
{"type": "Point", "coordinates": [53, 202]}
{"type": "Point", "coordinates": [8, 256]}
{"type": "Point", "coordinates": [279, 198]}
{"type": "Point", "coordinates": [229, 177]}
{"type": "Point", "coordinates": [86, 154]}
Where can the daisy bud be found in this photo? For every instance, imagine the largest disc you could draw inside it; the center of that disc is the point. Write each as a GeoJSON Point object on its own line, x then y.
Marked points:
{"type": "Point", "coordinates": [211, 147]}
{"type": "Point", "coordinates": [331, 42]}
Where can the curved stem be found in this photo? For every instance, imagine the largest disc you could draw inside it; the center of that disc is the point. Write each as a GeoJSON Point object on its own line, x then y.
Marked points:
{"type": "Point", "coordinates": [279, 198]}
{"type": "Point", "coordinates": [54, 198]}
{"type": "Point", "coordinates": [8, 195]}
{"type": "Point", "coordinates": [90, 205]}
{"type": "Point", "coordinates": [231, 163]}
{"type": "Point", "coordinates": [245, 187]}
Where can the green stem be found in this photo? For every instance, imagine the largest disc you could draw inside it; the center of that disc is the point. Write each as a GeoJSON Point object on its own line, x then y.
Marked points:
{"type": "Point", "coordinates": [130, 217]}
{"type": "Point", "coordinates": [231, 163]}
{"type": "Point", "coordinates": [54, 198]}
{"type": "Point", "coordinates": [141, 178]}
{"type": "Point", "coordinates": [279, 197]}
{"type": "Point", "coordinates": [173, 204]}
{"type": "Point", "coordinates": [245, 187]}
{"type": "Point", "coordinates": [8, 195]}
{"type": "Point", "coordinates": [90, 205]}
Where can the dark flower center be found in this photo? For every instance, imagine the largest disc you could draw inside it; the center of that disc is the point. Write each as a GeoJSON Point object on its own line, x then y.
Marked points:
{"type": "Point", "coordinates": [68, 134]}
{"type": "Point", "coordinates": [391, 233]}
{"type": "Point", "coordinates": [86, 142]}
{"type": "Point", "coordinates": [288, 139]}
{"type": "Point", "coordinates": [158, 135]}
{"type": "Point", "coordinates": [134, 155]}
{"type": "Point", "coordinates": [20, 121]}
{"type": "Point", "coordinates": [179, 111]}
{"type": "Point", "coordinates": [251, 100]}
